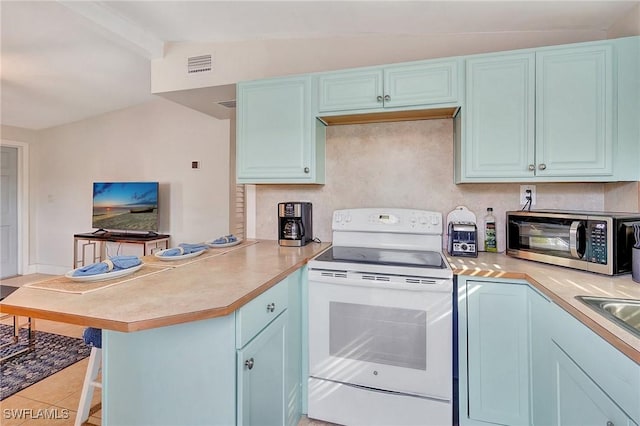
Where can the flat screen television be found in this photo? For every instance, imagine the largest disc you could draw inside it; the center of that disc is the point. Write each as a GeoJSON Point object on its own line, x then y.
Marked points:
{"type": "Point", "coordinates": [125, 206]}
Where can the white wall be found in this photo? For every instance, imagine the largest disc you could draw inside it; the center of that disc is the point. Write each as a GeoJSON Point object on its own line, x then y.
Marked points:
{"type": "Point", "coordinates": [156, 141]}
{"type": "Point", "coordinates": [627, 26]}
{"type": "Point", "coordinates": [249, 60]}
{"type": "Point", "coordinates": [19, 134]}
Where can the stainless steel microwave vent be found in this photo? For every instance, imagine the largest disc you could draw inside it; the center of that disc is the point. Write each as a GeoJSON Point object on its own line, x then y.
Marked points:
{"type": "Point", "coordinates": [200, 63]}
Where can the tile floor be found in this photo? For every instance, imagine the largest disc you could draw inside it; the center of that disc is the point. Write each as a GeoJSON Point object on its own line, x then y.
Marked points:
{"type": "Point", "coordinates": [58, 394]}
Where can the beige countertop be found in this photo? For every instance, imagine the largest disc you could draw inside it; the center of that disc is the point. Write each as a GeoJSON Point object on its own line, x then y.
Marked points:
{"type": "Point", "coordinates": [213, 286]}
{"type": "Point", "coordinates": [561, 285]}
{"type": "Point", "coordinates": [204, 288]}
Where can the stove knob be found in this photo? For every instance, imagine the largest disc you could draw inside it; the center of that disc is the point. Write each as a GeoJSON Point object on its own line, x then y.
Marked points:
{"type": "Point", "coordinates": [348, 218]}
{"type": "Point", "coordinates": [338, 218]}
{"type": "Point", "coordinates": [434, 220]}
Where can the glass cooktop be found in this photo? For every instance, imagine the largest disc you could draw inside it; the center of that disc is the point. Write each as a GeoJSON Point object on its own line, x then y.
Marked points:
{"type": "Point", "coordinates": [381, 256]}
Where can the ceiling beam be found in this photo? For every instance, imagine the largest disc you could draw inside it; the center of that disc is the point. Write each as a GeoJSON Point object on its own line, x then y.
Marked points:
{"type": "Point", "coordinates": [118, 28]}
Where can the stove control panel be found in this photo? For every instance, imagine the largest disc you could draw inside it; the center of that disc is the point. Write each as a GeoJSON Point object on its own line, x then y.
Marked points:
{"type": "Point", "coordinates": [388, 220]}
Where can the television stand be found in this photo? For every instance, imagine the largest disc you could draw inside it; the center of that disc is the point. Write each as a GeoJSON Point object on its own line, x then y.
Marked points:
{"type": "Point", "coordinates": [131, 235]}
{"type": "Point", "coordinates": [91, 247]}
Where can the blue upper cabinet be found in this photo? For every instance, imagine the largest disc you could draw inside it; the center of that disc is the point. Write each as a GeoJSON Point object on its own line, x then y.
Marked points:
{"type": "Point", "coordinates": [564, 113]}
{"type": "Point", "coordinates": [499, 116]}
{"type": "Point", "coordinates": [414, 84]}
{"type": "Point", "coordinates": [278, 139]}
{"type": "Point", "coordinates": [422, 83]}
{"type": "Point", "coordinates": [554, 114]}
{"type": "Point", "coordinates": [574, 111]}
{"type": "Point", "coordinates": [350, 90]}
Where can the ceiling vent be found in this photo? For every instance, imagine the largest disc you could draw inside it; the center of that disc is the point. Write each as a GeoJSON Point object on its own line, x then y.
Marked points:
{"type": "Point", "coordinates": [199, 64]}
{"type": "Point", "coordinates": [228, 104]}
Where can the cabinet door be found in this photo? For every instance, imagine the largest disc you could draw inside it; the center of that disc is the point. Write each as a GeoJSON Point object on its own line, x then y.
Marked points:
{"type": "Point", "coordinates": [350, 90]}
{"type": "Point", "coordinates": [498, 352]}
{"type": "Point", "coordinates": [499, 116]}
{"type": "Point", "coordinates": [261, 377]}
{"type": "Point", "coordinates": [577, 399]}
{"type": "Point", "coordinates": [423, 83]}
{"type": "Point", "coordinates": [574, 111]}
{"type": "Point", "coordinates": [274, 131]}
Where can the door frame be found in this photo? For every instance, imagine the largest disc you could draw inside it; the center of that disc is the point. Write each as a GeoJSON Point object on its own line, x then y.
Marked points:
{"type": "Point", "coordinates": [23, 204]}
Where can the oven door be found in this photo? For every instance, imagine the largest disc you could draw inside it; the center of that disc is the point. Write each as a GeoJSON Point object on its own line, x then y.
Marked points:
{"type": "Point", "coordinates": [389, 336]}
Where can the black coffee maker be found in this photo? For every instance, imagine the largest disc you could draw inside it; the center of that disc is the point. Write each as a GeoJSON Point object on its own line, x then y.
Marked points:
{"type": "Point", "coordinates": [294, 223]}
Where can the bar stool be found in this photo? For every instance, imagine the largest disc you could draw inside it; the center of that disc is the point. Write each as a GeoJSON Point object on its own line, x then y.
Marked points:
{"type": "Point", "coordinates": [93, 337]}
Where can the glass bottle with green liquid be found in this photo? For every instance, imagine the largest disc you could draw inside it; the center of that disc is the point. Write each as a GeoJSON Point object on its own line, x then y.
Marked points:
{"type": "Point", "coordinates": [490, 239]}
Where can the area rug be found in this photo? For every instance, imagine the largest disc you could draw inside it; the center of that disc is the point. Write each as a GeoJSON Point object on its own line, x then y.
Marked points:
{"type": "Point", "coordinates": [51, 354]}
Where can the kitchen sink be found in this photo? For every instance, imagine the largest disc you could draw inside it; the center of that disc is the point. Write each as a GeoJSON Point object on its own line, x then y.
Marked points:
{"type": "Point", "coordinates": [624, 312]}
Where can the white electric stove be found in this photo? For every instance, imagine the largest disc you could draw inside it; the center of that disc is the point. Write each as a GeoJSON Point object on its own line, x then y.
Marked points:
{"type": "Point", "coordinates": [380, 321]}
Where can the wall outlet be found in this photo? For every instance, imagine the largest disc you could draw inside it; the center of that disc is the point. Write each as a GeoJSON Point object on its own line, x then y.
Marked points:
{"type": "Point", "coordinates": [523, 194]}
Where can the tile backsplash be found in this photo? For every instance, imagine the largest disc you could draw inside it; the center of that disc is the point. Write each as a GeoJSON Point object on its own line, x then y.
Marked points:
{"type": "Point", "coordinates": [408, 165]}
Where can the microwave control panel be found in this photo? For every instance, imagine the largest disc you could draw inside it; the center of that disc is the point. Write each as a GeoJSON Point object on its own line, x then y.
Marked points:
{"type": "Point", "coordinates": [597, 236]}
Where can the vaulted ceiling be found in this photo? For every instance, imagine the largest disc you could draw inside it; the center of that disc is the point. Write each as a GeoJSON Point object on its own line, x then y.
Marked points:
{"type": "Point", "coordinates": [64, 61]}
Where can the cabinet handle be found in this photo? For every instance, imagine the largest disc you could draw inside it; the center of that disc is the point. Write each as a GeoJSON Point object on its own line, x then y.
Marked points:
{"type": "Point", "coordinates": [542, 166]}
{"type": "Point", "coordinates": [387, 97]}
{"type": "Point", "coordinates": [532, 167]}
{"type": "Point", "coordinates": [610, 423]}
{"type": "Point", "coordinates": [271, 307]}
{"type": "Point", "coordinates": [379, 98]}
{"type": "Point", "coordinates": [249, 363]}
{"type": "Point", "coordinates": [306, 170]}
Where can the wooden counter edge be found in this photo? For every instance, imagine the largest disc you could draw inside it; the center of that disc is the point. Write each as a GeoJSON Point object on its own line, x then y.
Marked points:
{"type": "Point", "coordinates": [594, 326]}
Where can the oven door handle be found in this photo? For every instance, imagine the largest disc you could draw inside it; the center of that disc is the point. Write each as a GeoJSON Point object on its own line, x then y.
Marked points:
{"type": "Point", "coordinates": [577, 236]}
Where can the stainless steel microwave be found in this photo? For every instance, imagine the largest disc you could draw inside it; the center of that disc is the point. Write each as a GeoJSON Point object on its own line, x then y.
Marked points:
{"type": "Point", "coordinates": [599, 242]}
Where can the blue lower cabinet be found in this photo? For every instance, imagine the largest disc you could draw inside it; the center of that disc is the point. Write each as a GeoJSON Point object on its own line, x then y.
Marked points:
{"type": "Point", "coordinates": [261, 377]}
{"type": "Point", "coordinates": [241, 369]}
{"type": "Point", "coordinates": [497, 358]}
{"type": "Point", "coordinates": [592, 382]}
{"type": "Point", "coordinates": [577, 399]}
{"type": "Point", "coordinates": [524, 360]}
{"type": "Point", "coordinates": [178, 375]}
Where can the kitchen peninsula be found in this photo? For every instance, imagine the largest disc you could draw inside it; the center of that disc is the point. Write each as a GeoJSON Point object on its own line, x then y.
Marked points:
{"type": "Point", "coordinates": [174, 341]}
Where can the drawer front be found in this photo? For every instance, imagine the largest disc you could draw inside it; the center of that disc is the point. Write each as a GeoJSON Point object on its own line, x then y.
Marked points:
{"type": "Point", "coordinates": [257, 314]}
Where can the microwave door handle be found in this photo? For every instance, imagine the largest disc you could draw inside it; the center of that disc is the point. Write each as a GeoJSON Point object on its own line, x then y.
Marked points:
{"type": "Point", "coordinates": [576, 239]}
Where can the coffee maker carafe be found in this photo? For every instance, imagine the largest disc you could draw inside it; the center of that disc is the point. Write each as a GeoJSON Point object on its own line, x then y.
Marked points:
{"type": "Point", "coordinates": [294, 224]}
